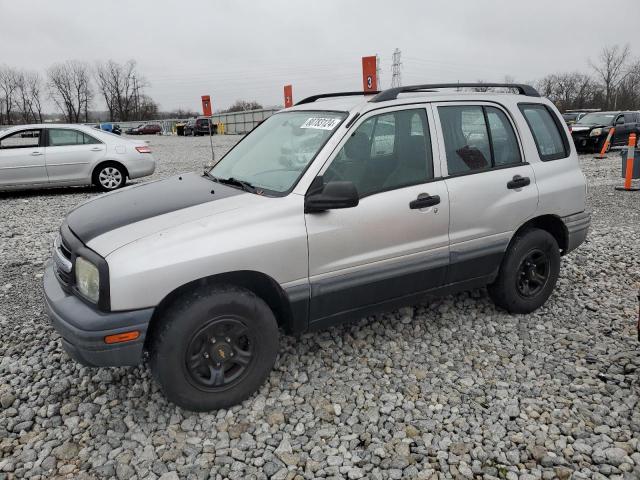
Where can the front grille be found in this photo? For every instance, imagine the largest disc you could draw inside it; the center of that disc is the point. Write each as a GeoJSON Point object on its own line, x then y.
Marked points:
{"type": "Point", "coordinates": [63, 263]}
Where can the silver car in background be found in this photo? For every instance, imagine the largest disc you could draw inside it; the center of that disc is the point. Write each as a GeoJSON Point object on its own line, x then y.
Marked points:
{"type": "Point", "coordinates": [54, 155]}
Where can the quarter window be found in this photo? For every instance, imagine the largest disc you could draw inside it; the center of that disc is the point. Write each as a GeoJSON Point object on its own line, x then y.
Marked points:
{"type": "Point", "coordinates": [545, 128]}
{"type": "Point", "coordinates": [59, 137]}
{"type": "Point", "coordinates": [21, 139]}
{"type": "Point", "coordinates": [386, 152]}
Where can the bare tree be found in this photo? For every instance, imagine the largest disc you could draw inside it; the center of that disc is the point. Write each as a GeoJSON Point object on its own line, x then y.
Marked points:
{"type": "Point", "coordinates": [244, 106]}
{"type": "Point", "coordinates": [121, 88]}
{"type": "Point", "coordinates": [34, 87]}
{"type": "Point", "coordinates": [8, 87]}
{"type": "Point", "coordinates": [70, 89]}
{"type": "Point", "coordinates": [611, 70]}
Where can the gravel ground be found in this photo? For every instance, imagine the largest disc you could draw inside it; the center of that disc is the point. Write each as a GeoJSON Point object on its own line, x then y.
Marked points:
{"type": "Point", "coordinates": [450, 389]}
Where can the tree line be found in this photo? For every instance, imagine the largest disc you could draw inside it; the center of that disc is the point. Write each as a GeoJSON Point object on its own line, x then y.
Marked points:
{"type": "Point", "coordinates": [73, 86]}
{"type": "Point", "coordinates": [612, 83]}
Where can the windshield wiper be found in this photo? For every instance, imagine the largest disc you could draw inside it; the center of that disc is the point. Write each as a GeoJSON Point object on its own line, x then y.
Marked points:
{"type": "Point", "coordinates": [246, 186]}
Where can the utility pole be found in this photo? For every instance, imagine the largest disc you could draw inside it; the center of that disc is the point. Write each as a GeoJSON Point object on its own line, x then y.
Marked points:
{"type": "Point", "coordinates": [378, 72]}
{"type": "Point", "coordinates": [396, 75]}
{"type": "Point", "coordinates": [136, 99]}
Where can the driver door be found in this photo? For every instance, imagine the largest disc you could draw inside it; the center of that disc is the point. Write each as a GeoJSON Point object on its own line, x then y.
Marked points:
{"type": "Point", "coordinates": [393, 244]}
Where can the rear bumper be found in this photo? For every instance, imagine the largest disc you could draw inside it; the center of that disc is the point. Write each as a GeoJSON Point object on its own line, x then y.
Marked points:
{"type": "Point", "coordinates": [84, 328]}
{"type": "Point", "coordinates": [577, 227]}
{"type": "Point", "coordinates": [141, 167]}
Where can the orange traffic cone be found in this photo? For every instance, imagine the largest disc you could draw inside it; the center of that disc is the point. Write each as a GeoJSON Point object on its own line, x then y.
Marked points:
{"type": "Point", "coordinates": [629, 171]}
{"type": "Point", "coordinates": [605, 145]}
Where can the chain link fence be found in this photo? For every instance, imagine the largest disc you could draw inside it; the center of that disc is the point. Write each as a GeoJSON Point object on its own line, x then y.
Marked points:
{"type": "Point", "coordinates": [234, 123]}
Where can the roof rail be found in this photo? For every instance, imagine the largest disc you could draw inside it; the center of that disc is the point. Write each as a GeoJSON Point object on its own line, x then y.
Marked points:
{"type": "Point", "coordinates": [392, 93]}
{"type": "Point", "coordinates": [313, 98]}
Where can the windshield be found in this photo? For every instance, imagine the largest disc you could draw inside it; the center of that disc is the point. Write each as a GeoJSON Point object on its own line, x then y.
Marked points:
{"type": "Point", "coordinates": [597, 119]}
{"type": "Point", "coordinates": [276, 153]}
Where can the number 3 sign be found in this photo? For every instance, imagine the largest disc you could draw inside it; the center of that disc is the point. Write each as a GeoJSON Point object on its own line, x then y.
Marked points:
{"type": "Point", "coordinates": [369, 80]}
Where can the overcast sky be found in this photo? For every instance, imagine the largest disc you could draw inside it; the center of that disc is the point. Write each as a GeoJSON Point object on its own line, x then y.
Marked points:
{"type": "Point", "coordinates": [240, 49]}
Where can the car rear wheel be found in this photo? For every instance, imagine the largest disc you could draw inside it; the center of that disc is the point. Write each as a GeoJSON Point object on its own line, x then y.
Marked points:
{"type": "Point", "coordinates": [109, 176]}
{"type": "Point", "coordinates": [528, 273]}
{"type": "Point", "coordinates": [213, 348]}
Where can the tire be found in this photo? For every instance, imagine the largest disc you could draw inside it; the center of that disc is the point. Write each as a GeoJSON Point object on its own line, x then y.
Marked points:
{"type": "Point", "coordinates": [109, 176]}
{"type": "Point", "coordinates": [523, 287]}
{"type": "Point", "coordinates": [213, 348]}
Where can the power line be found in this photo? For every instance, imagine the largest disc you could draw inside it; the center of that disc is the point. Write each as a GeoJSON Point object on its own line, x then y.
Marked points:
{"type": "Point", "coordinates": [396, 75]}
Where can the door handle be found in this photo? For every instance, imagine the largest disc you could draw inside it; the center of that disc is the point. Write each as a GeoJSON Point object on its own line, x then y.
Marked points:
{"type": "Point", "coordinates": [424, 200]}
{"type": "Point", "coordinates": [36, 154]}
{"type": "Point", "coordinates": [96, 149]}
{"type": "Point", "coordinates": [518, 182]}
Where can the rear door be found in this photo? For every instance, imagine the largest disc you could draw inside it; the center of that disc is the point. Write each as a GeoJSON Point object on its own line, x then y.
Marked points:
{"type": "Point", "coordinates": [492, 189]}
{"type": "Point", "coordinates": [71, 154]}
{"type": "Point", "coordinates": [22, 158]}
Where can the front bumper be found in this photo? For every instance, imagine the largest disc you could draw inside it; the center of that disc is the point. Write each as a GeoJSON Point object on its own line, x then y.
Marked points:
{"type": "Point", "coordinates": [84, 328]}
{"type": "Point", "coordinates": [577, 227]}
{"type": "Point", "coordinates": [584, 142]}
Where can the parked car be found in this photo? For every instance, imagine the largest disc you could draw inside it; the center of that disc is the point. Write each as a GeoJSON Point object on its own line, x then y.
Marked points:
{"type": "Point", "coordinates": [50, 155]}
{"type": "Point", "coordinates": [572, 117]}
{"type": "Point", "coordinates": [319, 216]}
{"type": "Point", "coordinates": [199, 126]}
{"type": "Point", "coordinates": [180, 128]}
{"type": "Point", "coordinates": [590, 132]}
{"type": "Point", "coordinates": [133, 130]}
{"type": "Point", "coordinates": [149, 129]}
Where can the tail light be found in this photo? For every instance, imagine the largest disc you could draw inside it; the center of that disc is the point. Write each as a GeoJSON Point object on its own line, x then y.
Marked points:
{"type": "Point", "coordinates": [143, 149]}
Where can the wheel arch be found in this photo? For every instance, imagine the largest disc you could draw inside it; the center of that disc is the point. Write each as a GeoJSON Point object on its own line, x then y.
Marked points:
{"type": "Point", "coordinates": [104, 162]}
{"type": "Point", "coordinates": [552, 224]}
{"type": "Point", "coordinates": [259, 283]}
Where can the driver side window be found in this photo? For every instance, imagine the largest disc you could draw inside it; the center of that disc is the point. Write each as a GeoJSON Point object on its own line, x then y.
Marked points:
{"type": "Point", "coordinates": [386, 152]}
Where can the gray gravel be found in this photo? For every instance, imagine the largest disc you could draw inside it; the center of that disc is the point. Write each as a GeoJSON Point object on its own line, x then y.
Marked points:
{"type": "Point", "coordinates": [450, 389]}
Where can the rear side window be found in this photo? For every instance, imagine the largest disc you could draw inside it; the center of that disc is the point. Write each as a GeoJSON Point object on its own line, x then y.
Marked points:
{"type": "Point", "coordinates": [21, 139]}
{"type": "Point", "coordinates": [550, 140]}
{"type": "Point", "coordinates": [477, 138]}
{"type": "Point", "coordinates": [64, 137]}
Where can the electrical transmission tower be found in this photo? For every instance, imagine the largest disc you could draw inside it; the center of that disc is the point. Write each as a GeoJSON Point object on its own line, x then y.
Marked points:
{"type": "Point", "coordinates": [396, 75]}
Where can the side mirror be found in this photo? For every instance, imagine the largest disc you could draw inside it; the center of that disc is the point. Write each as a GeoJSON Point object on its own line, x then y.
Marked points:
{"type": "Point", "coordinates": [333, 195]}
{"type": "Point", "coordinates": [620, 121]}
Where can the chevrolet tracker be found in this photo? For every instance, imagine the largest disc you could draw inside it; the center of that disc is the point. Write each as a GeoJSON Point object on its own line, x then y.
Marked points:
{"type": "Point", "coordinates": [339, 207]}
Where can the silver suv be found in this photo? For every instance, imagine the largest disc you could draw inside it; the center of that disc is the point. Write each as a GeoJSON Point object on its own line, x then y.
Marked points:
{"type": "Point", "coordinates": [339, 207]}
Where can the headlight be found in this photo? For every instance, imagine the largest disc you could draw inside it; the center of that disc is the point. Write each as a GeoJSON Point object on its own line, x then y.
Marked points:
{"type": "Point", "coordinates": [596, 132]}
{"type": "Point", "coordinates": [87, 279]}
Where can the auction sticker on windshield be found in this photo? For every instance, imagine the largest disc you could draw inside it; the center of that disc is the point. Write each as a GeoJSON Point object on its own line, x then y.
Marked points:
{"type": "Point", "coordinates": [321, 123]}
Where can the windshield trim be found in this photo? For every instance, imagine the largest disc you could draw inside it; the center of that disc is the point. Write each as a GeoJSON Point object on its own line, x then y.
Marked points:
{"type": "Point", "coordinates": [273, 193]}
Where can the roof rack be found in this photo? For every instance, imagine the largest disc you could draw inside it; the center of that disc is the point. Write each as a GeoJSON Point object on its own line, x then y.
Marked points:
{"type": "Point", "coordinates": [313, 98]}
{"type": "Point", "coordinates": [392, 93]}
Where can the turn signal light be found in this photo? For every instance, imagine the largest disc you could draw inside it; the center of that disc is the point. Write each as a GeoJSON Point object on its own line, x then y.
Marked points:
{"type": "Point", "coordinates": [143, 149]}
{"type": "Point", "coordinates": [121, 337]}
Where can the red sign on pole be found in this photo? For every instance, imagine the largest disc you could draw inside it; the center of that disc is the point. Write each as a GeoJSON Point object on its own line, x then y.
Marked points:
{"type": "Point", "coordinates": [369, 76]}
{"type": "Point", "coordinates": [206, 105]}
{"type": "Point", "coordinates": [288, 96]}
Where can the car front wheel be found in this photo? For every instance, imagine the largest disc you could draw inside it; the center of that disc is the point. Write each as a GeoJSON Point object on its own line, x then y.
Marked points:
{"type": "Point", "coordinates": [528, 273]}
{"type": "Point", "coordinates": [213, 348]}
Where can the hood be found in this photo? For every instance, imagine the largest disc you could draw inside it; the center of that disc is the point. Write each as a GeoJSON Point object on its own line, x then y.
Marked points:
{"type": "Point", "coordinates": [170, 202]}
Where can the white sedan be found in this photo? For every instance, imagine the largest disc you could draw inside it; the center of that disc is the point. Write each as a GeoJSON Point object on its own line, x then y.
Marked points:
{"type": "Point", "coordinates": [49, 155]}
